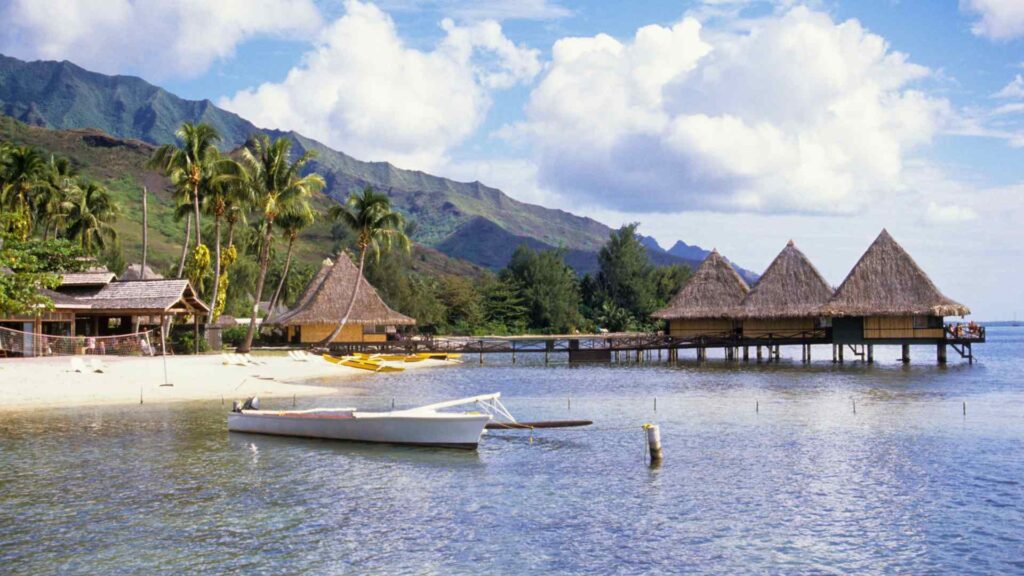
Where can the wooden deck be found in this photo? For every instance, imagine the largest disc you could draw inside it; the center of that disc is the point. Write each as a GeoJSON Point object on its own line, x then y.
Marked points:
{"type": "Point", "coordinates": [600, 347]}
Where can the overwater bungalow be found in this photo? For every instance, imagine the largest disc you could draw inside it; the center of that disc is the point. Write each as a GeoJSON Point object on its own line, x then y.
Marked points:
{"type": "Point", "coordinates": [888, 299]}
{"type": "Point", "coordinates": [786, 302]}
{"type": "Point", "coordinates": [323, 303]}
{"type": "Point", "coordinates": [705, 306]}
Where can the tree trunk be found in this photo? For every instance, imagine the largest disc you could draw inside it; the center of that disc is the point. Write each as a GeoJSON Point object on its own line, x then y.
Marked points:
{"type": "Point", "coordinates": [216, 271]}
{"type": "Point", "coordinates": [145, 233]}
{"type": "Point", "coordinates": [264, 264]}
{"type": "Point", "coordinates": [351, 303]}
{"type": "Point", "coordinates": [184, 246]}
{"type": "Point", "coordinates": [231, 232]}
{"type": "Point", "coordinates": [284, 276]}
{"type": "Point", "coordinates": [195, 210]}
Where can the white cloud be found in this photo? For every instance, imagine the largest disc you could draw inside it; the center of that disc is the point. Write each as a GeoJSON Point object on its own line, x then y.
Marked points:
{"type": "Point", "coordinates": [949, 214]}
{"type": "Point", "coordinates": [160, 38]}
{"type": "Point", "coordinates": [1015, 89]}
{"type": "Point", "coordinates": [484, 9]}
{"type": "Point", "coordinates": [796, 114]}
{"type": "Point", "coordinates": [362, 90]}
{"type": "Point", "coordinates": [999, 19]}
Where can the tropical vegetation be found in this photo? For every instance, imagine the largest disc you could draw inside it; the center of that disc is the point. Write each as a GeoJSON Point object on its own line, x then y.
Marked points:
{"type": "Point", "coordinates": [239, 215]}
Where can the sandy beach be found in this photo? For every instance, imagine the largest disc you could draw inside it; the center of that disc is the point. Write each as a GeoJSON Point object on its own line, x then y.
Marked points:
{"type": "Point", "coordinates": [41, 383]}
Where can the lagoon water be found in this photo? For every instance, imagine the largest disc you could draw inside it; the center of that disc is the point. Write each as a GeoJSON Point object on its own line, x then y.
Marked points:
{"type": "Point", "coordinates": [767, 470]}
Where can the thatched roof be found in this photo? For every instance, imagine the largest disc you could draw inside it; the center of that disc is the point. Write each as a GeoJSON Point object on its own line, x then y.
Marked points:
{"type": "Point", "coordinates": [138, 297]}
{"type": "Point", "coordinates": [714, 291]}
{"type": "Point", "coordinates": [134, 272]}
{"type": "Point", "coordinates": [89, 278]}
{"type": "Point", "coordinates": [327, 296]}
{"type": "Point", "coordinates": [791, 287]}
{"type": "Point", "coordinates": [887, 281]}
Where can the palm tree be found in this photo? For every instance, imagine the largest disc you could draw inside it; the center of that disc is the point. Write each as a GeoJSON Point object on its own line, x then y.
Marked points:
{"type": "Point", "coordinates": [57, 198]}
{"type": "Point", "coordinates": [377, 227]}
{"type": "Point", "coordinates": [24, 169]}
{"type": "Point", "coordinates": [290, 224]}
{"type": "Point", "coordinates": [191, 164]}
{"type": "Point", "coordinates": [277, 187]}
{"type": "Point", "coordinates": [91, 217]}
{"type": "Point", "coordinates": [224, 191]}
{"type": "Point", "coordinates": [184, 210]}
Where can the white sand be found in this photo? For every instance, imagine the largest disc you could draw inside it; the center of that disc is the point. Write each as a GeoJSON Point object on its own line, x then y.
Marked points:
{"type": "Point", "coordinates": [39, 383]}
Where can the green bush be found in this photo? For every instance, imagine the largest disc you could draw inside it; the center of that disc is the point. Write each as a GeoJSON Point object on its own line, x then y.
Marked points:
{"type": "Point", "coordinates": [183, 342]}
{"type": "Point", "coordinates": [233, 335]}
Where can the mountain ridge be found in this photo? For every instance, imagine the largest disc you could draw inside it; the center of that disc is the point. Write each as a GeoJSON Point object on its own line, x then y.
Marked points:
{"type": "Point", "coordinates": [63, 95]}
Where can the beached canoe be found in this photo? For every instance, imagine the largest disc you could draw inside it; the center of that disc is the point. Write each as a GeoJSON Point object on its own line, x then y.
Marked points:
{"type": "Point", "coordinates": [422, 426]}
{"type": "Point", "coordinates": [439, 355]}
{"type": "Point", "coordinates": [362, 364]}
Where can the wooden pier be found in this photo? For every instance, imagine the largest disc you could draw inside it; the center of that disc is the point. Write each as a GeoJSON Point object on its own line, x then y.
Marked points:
{"type": "Point", "coordinates": [638, 346]}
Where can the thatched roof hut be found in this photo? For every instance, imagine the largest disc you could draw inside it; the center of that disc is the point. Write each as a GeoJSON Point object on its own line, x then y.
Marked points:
{"type": "Point", "coordinates": [327, 295]}
{"type": "Point", "coordinates": [714, 291]}
{"type": "Point", "coordinates": [134, 272]}
{"type": "Point", "coordinates": [791, 287]}
{"type": "Point", "coordinates": [89, 278]}
{"type": "Point", "coordinates": [887, 282]}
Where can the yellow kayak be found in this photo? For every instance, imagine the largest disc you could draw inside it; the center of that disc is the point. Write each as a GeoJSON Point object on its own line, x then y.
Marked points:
{"type": "Point", "coordinates": [362, 364]}
{"type": "Point", "coordinates": [439, 356]}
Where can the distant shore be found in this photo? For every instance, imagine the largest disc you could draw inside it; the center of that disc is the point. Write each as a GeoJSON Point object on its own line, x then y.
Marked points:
{"type": "Point", "coordinates": [44, 383]}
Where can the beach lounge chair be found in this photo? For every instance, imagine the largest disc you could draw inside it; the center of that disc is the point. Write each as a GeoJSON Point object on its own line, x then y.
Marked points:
{"type": "Point", "coordinates": [299, 355]}
{"type": "Point", "coordinates": [97, 365]}
{"type": "Point", "coordinates": [248, 358]}
{"type": "Point", "coordinates": [77, 364]}
{"type": "Point", "coordinates": [237, 360]}
{"type": "Point", "coordinates": [226, 359]}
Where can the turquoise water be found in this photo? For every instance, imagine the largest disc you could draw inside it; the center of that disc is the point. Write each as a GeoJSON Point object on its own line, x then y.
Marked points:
{"type": "Point", "coordinates": [767, 470]}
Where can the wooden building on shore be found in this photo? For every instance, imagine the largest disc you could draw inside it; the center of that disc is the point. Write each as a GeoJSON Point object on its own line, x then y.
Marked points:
{"type": "Point", "coordinates": [888, 299]}
{"type": "Point", "coordinates": [92, 304]}
{"type": "Point", "coordinates": [786, 301]}
{"type": "Point", "coordinates": [324, 301]}
{"type": "Point", "coordinates": [705, 306]}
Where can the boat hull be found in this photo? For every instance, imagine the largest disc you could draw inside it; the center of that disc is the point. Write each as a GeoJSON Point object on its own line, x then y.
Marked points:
{"type": "Point", "coordinates": [442, 430]}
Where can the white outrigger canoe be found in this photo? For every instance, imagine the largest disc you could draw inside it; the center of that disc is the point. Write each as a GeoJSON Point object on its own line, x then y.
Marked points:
{"type": "Point", "coordinates": [422, 426]}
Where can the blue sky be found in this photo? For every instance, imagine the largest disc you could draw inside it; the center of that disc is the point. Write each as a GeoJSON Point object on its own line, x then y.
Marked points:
{"type": "Point", "coordinates": [730, 123]}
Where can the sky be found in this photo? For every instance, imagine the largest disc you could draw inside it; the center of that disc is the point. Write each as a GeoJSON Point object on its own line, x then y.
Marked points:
{"type": "Point", "coordinates": [735, 124]}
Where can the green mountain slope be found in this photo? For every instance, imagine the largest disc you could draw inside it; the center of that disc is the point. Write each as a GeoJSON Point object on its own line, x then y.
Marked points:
{"type": "Point", "coordinates": [121, 166]}
{"type": "Point", "coordinates": [61, 95]}
{"type": "Point", "coordinates": [64, 96]}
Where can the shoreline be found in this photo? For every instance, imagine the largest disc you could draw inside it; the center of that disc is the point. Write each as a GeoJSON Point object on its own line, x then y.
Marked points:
{"type": "Point", "coordinates": [30, 384]}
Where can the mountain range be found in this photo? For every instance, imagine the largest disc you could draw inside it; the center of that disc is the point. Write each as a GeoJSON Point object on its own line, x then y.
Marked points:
{"type": "Point", "coordinates": [466, 220]}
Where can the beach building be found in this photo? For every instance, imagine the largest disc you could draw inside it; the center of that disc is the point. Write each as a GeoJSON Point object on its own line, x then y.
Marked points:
{"type": "Point", "coordinates": [888, 299]}
{"type": "Point", "coordinates": [94, 304]}
{"type": "Point", "coordinates": [705, 306]}
{"type": "Point", "coordinates": [324, 301]}
{"type": "Point", "coordinates": [786, 302]}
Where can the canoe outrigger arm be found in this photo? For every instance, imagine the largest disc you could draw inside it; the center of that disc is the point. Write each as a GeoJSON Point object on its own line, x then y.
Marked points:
{"type": "Point", "coordinates": [488, 403]}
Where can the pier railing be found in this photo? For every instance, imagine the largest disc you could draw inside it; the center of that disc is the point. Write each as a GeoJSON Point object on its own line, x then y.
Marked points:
{"type": "Point", "coordinates": [964, 333]}
{"type": "Point", "coordinates": [629, 341]}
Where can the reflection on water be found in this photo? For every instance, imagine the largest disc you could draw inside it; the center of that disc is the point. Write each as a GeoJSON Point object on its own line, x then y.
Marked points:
{"type": "Point", "coordinates": [768, 469]}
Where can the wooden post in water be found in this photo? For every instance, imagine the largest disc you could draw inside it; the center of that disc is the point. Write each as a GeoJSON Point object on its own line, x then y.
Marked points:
{"type": "Point", "coordinates": [513, 351]}
{"type": "Point", "coordinates": [905, 356]}
{"type": "Point", "coordinates": [840, 353]}
{"type": "Point", "coordinates": [758, 352]}
{"type": "Point", "coordinates": [871, 353]}
{"type": "Point", "coordinates": [940, 353]}
{"type": "Point", "coordinates": [654, 443]}
{"type": "Point", "coordinates": [746, 353]}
